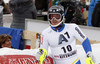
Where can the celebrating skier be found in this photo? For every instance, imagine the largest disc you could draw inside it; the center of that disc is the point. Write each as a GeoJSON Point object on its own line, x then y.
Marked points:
{"type": "Point", "coordinates": [61, 38]}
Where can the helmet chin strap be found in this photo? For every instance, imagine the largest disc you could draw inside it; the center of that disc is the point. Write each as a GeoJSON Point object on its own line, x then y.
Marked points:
{"type": "Point", "coordinates": [56, 25]}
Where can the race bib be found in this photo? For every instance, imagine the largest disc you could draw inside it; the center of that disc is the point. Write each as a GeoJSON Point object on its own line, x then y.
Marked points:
{"type": "Point", "coordinates": [64, 52]}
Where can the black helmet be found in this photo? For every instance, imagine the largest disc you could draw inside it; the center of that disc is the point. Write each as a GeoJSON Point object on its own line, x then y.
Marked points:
{"type": "Point", "coordinates": [56, 9]}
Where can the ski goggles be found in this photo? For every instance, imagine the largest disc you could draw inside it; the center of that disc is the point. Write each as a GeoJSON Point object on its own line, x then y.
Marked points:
{"type": "Point", "coordinates": [51, 16]}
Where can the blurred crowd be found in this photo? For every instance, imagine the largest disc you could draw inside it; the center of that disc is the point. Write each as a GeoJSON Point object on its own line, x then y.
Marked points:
{"type": "Point", "coordinates": [73, 11]}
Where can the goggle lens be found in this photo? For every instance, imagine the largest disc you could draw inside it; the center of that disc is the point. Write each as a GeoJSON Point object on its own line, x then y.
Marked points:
{"type": "Point", "coordinates": [56, 16]}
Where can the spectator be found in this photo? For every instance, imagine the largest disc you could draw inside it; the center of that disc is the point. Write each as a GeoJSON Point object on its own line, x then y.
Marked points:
{"type": "Point", "coordinates": [6, 8]}
{"type": "Point", "coordinates": [91, 8]}
{"type": "Point", "coordinates": [22, 9]}
{"type": "Point", "coordinates": [3, 10]}
{"type": "Point", "coordinates": [1, 15]}
{"type": "Point", "coordinates": [5, 41]}
{"type": "Point", "coordinates": [96, 15]}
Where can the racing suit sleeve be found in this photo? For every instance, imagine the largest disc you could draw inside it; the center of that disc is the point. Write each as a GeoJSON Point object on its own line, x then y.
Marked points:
{"type": "Point", "coordinates": [82, 38]}
{"type": "Point", "coordinates": [44, 42]}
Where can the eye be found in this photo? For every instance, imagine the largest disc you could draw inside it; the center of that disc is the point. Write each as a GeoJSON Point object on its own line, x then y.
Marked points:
{"type": "Point", "coordinates": [8, 40]}
{"type": "Point", "coordinates": [57, 16]}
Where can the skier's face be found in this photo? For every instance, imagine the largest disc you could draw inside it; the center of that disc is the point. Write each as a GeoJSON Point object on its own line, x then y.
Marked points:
{"type": "Point", "coordinates": [55, 22]}
{"type": "Point", "coordinates": [55, 18]}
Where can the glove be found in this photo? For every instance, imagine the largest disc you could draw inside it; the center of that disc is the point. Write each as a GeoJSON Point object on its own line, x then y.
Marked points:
{"type": "Point", "coordinates": [41, 55]}
{"type": "Point", "coordinates": [38, 55]}
{"type": "Point", "coordinates": [90, 58]}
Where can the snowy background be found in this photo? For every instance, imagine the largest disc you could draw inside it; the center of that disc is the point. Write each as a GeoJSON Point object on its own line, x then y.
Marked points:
{"type": "Point", "coordinates": [96, 53]}
{"type": "Point", "coordinates": [81, 53]}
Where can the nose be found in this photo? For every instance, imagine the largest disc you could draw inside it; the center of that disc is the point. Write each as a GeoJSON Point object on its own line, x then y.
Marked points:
{"type": "Point", "coordinates": [54, 18]}
{"type": "Point", "coordinates": [10, 42]}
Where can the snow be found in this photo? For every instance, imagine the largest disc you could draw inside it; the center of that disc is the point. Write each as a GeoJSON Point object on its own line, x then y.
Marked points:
{"type": "Point", "coordinates": [81, 52]}
{"type": "Point", "coordinates": [95, 51]}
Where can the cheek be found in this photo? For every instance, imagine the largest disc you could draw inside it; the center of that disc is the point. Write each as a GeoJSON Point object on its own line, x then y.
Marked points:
{"type": "Point", "coordinates": [52, 22]}
{"type": "Point", "coordinates": [59, 21]}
